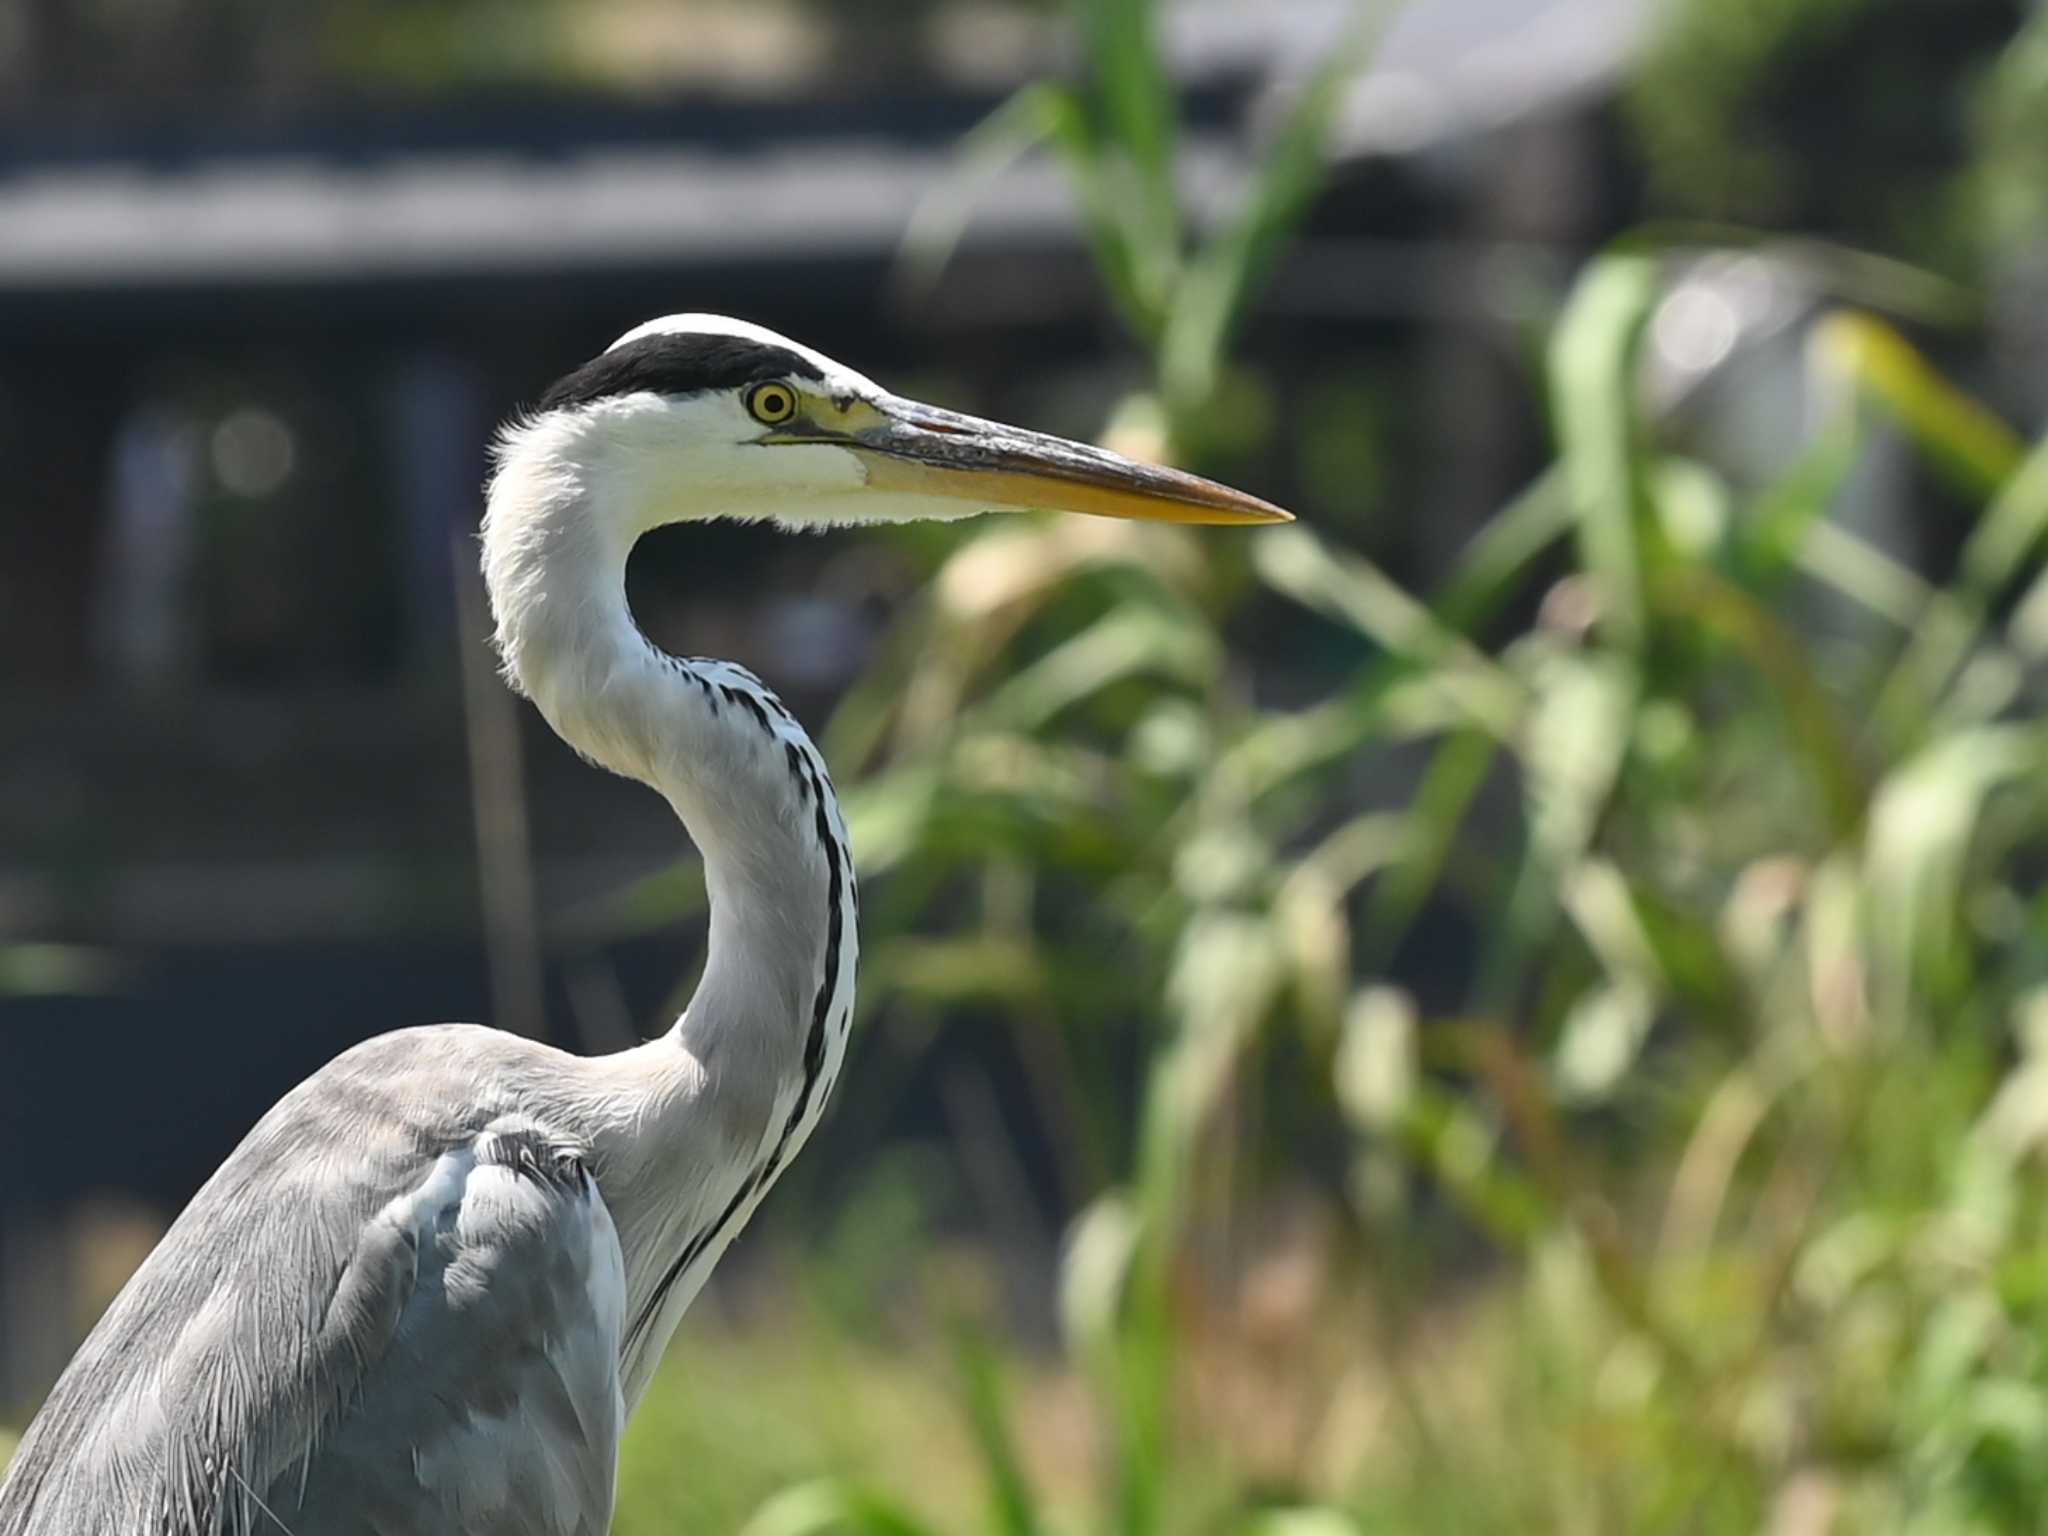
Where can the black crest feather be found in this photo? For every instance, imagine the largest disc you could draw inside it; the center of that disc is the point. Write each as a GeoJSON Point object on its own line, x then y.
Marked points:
{"type": "Point", "coordinates": [677, 363]}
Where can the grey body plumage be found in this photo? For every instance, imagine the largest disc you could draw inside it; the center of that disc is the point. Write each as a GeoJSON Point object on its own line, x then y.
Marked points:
{"type": "Point", "coordinates": [427, 1291]}
{"type": "Point", "coordinates": [424, 1260]}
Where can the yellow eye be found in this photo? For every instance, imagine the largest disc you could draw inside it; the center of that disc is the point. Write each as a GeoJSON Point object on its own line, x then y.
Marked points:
{"type": "Point", "coordinates": [771, 404]}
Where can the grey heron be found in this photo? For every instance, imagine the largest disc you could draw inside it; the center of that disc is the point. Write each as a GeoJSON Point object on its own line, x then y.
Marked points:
{"type": "Point", "coordinates": [427, 1291]}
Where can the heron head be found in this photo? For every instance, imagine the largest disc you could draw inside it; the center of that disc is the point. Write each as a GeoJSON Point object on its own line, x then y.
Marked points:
{"type": "Point", "coordinates": [699, 416]}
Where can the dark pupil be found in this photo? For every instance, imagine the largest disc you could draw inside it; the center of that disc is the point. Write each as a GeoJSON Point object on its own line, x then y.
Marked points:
{"type": "Point", "coordinates": [772, 402]}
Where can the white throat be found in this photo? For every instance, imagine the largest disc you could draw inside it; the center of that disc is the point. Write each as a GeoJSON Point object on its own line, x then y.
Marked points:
{"type": "Point", "coordinates": [766, 1030]}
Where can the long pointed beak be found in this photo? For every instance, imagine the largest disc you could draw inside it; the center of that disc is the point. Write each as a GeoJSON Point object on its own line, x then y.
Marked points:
{"type": "Point", "coordinates": [926, 451]}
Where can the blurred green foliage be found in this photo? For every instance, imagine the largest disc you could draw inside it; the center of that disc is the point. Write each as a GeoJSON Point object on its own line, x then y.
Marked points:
{"type": "Point", "coordinates": [431, 47]}
{"type": "Point", "coordinates": [1705, 1194]}
{"type": "Point", "coordinates": [1853, 118]}
{"type": "Point", "coordinates": [2006, 198]}
{"type": "Point", "coordinates": [747, 1412]}
{"type": "Point", "coordinates": [1116, 132]}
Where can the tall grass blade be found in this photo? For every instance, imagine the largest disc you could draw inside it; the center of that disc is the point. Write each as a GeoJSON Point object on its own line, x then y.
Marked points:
{"type": "Point", "coordinates": [2009, 535]}
{"type": "Point", "coordinates": [832, 1508]}
{"type": "Point", "coordinates": [1502, 553]}
{"type": "Point", "coordinates": [1030, 118]}
{"type": "Point", "coordinates": [1865, 574]}
{"type": "Point", "coordinates": [1781, 524]}
{"type": "Point", "coordinates": [1808, 713]}
{"type": "Point", "coordinates": [1978, 450]}
{"type": "Point", "coordinates": [1352, 590]}
{"type": "Point", "coordinates": [2013, 528]}
{"type": "Point", "coordinates": [1457, 771]}
{"type": "Point", "coordinates": [1124, 643]}
{"type": "Point", "coordinates": [1136, 134]}
{"type": "Point", "coordinates": [1922, 825]}
{"type": "Point", "coordinates": [1593, 359]}
{"type": "Point", "coordinates": [1221, 278]}
{"type": "Point", "coordinates": [1013, 1505]}
{"type": "Point", "coordinates": [1112, 1306]}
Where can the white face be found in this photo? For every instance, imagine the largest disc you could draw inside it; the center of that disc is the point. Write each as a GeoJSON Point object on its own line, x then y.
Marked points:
{"type": "Point", "coordinates": [669, 459]}
{"type": "Point", "coordinates": [657, 456]}
{"type": "Point", "coordinates": [692, 417]}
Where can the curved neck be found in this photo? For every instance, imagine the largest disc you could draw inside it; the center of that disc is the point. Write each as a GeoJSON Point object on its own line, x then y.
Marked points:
{"type": "Point", "coordinates": [769, 1018]}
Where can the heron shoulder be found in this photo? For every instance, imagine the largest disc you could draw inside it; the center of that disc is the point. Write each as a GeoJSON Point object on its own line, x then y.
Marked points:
{"type": "Point", "coordinates": [399, 1236]}
{"type": "Point", "coordinates": [497, 1406]}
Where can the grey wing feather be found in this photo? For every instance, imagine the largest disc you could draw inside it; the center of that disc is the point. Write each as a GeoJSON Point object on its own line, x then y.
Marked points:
{"type": "Point", "coordinates": [395, 1309]}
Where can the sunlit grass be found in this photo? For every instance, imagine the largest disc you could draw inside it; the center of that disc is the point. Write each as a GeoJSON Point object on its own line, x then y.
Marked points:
{"type": "Point", "coordinates": [747, 1406]}
{"type": "Point", "coordinates": [740, 1412]}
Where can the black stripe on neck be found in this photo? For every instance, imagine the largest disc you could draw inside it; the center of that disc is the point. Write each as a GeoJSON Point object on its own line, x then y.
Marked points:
{"type": "Point", "coordinates": [840, 881]}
